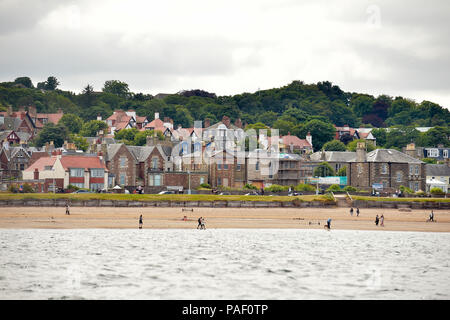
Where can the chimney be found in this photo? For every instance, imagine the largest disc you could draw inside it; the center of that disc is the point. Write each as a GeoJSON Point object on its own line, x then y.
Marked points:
{"type": "Point", "coordinates": [9, 112]}
{"type": "Point", "coordinates": [32, 111]}
{"type": "Point", "coordinates": [156, 115]}
{"type": "Point", "coordinates": [60, 110]}
{"type": "Point", "coordinates": [36, 174]}
{"type": "Point", "coordinates": [99, 117]}
{"type": "Point", "coordinates": [21, 109]}
{"type": "Point", "coordinates": [411, 150]}
{"type": "Point", "coordinates": [361, 152]}
{"type": "Point", "coordinates": [207, 123]}
{"type": "Point", "coordinates": [309, 138]}
{"type": "Point", "coordinates": [238, 123]}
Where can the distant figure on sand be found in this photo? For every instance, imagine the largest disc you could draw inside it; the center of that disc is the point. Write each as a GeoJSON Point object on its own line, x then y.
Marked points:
{"type": "Point", "coordinates": [382, 220]}
{"type": "Point", "coordinates": [199, 222]}
{"type": "Point", "coordinates": [203, 224]}
{"type": "Point", "coordinates": [377, 220]}
{"type": "Point", "coordinates": [140, 222]}
{"type": "Point", "coordinates": [67, 209]}
{"type": "Point", "coordinates": [328, 225]}
{"type": "Point", "coordinates": [357, 212]}
{"type": "Point", "coordinates": [351, 211]}
{"type": "Point", "coordinates": [431, 216]}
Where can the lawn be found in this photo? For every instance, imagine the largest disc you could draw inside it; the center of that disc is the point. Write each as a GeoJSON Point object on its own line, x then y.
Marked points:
{"type": "Point", "coordinates": [401, 199]}
{"type": "Point", "coordinates": [159, 197]}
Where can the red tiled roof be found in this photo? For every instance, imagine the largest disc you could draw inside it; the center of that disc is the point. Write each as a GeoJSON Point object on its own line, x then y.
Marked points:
{"type": "Point", "coordinates": [52, 117]}
{"type": "Point", "coordinates": [156, 124]}
{"type": "Point", "coordinates": [41, 163]}
{"type": "Point", "coordinates": [294, 140]}
{"type": "Point", "coordinates": [81, 162]}
{"type": "Point", "coordinates": [140, 119]}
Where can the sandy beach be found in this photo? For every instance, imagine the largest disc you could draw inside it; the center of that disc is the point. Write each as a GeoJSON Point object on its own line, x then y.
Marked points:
{"type": "Point", "coordinates": [161, 218]}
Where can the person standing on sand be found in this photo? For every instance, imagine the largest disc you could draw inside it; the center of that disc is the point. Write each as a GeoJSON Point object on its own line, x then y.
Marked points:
{"type": "Point", "coordinates": [199, 222]}
{"type": "Point", "coordinates": [351, 212]}
{"type": "Point", "coordinates": [376, 220]}
{"type": "Point", "coordinates": [140, 222]}
{"type": "Point", "coordinates": [203, 224]}
{"type": "Point", "coordinates": [67, 209]}
{"type": "Point", "coordinates": [329, 223]}
{"type": "Point", "coordinates": [432, 216]}
{"type": "Point", "coordinates": [382, 221]}
{"type": "Point", "coordinates": [357, 212]}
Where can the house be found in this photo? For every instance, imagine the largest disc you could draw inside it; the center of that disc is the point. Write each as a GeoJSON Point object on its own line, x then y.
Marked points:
{"type": "Point", "coordinates": [227, 169]}
{"type": "Point", "coordinates": [355, 133]}
{"type": "Point", "coordinates": [13, 160]}
{"type": "Point", "coordinates": [438, 176]}
{"type": "Point", "coordinates": [83, 171]}
{"type": "Point", "coordinates": [13, 137]}
{"type": "Point", "coordinates": [121, 119]}
{"type": "Point", "coordinates": [290, 144]}
{"type": "Point", "coordinates": [385, 168]}
{"type": "Point", "coordinates": [439, 153]}
{"type": "Point", "coordinates": [336, 159]}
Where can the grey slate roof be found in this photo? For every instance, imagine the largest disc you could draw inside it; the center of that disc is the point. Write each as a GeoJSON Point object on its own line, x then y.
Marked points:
{"type": "Point", "coordinates": [389, 155]}
{"type": "Point", "coordinates": [334, 156]}
{"type": "Point", "coordinates": [436, 170]}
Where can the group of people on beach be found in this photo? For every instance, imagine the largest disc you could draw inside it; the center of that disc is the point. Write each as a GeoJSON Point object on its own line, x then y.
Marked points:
{"type": "Point", "coordinates": [357, 212]}
{"type": "Point", "coordinates": [379, 220]}
{"type": "Point", "coordinates": [201, 223]}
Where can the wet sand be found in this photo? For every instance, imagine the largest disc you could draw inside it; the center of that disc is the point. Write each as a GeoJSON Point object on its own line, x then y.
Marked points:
{"type": "Point", "coordinates": [161, 218]}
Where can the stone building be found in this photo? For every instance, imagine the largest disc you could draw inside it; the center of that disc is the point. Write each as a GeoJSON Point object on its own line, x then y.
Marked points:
{"type": "Point", "coordinates": [387, 167]}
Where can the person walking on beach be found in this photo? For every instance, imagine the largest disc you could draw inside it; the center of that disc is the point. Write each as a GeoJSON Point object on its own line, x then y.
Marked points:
{"type": "Point", "coordinates": [328, 223]}
{"type": "Point", "coordinates": [203, 224]}
{"type": "Point", "coordinates": [351, 212]}
{"type": "Point", "coordinates": [432, 216]}
{"type": "Point", "coordinates": [357, 212]}
{"type": "Point", "coordinates": [382, 221]}
{"type": "Point", "coordinates": [67, 209]}
{"type": "Point", "coordinates": [199, 222]}
{"type": "Point", "coordinates": [140, 222]}
{"type": "Point", "coordinates": [376, 220]}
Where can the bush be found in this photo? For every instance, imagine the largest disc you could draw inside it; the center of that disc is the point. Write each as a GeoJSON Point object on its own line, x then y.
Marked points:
{"type": "Point", "coordinates": [205, 185]}
{"type": "Point", "coordinates": [27, 188]}
{"type": "Point", "coordinates": [421, 193]}
{"type": "Point", "coordinates": [250, 187]}
{"type": "Point", "coordinates": [334, 188]}
{"type": "Point", "coordinates": [72, 187]}
{"type": "Point", "coordinates": [304, 187]}
{"type": "Point", "coordinates": [276, 188]}
{"type": "Point", "coordinates": [436, 191]}
{"type": "Point", "coordinates": [350, 189]}
{"type": "Point", "coordinates": [406, 190]}
{"type": "Point", "coordinates": [12, 188]}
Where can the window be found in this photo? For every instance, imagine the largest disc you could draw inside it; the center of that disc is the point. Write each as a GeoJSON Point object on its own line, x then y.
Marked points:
{"type": "Point", "coordinates": [399, 177]}
{"type": "Point", "coordinates": [22, 166]}
{"type": "Point", "coordinates": [96, 186]}
{"type": "Point", "coordinates": [76, 172]}
{"type": "Point", "coordinates": [292, 164]}
{"type": "Point", "coordinates": [417, 170]}
{"type": "Point", "coordinates": [384, 168]}
{"type": "Point", "coordinates": [238, 167]}
{"type": "Point", "coordinates": [202, 180]}
{"type": "Point", "coordinates": [77, 184]}
{"type": "Point", "coordinates": [155, 180]}
{"type": "Point", "coordinates": [359, 166]}
{"type": "Point", "coordinates": [411, 168]}
{"type": "Point", "coordinates": [154, 163]}
{"type": "Point", "coordinates": [433, 153]}
{"type": "Point", "coordinates": [257, 166]}
{"type": "Point", "coordinates": [219, 166]}
{"type": "Point", "coordinates": [122, 178]}
{"type": "Point", "coordinates": [416, 186]}
{"type": "Point", "coordinates": [123, 162]}
{"type": "Point", "coordinates": [225, 166]}
{"type": "Point", "coordinates": [445, 153]}
{"type": "Point", "coordinates": [48, 168]}
{"type": "Point", "coordinates": [219, 181]}
{"type": "Point", "coordinates": [97, 173]}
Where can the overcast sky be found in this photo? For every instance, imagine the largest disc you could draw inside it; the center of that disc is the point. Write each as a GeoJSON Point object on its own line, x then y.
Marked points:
{"type": "Point", "coordinates": [399, 48]}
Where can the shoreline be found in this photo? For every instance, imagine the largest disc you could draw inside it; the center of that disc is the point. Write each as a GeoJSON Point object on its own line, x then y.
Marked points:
{"type": "Point", "coordinates": [221, 218]}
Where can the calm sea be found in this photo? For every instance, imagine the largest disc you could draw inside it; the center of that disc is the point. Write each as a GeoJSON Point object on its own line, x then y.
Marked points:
{"type": "Point", "coordinates": [223, 264]}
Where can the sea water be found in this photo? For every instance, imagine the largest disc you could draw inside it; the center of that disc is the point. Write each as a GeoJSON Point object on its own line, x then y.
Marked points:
{"type": "Point", "coordinates": [223, 264]}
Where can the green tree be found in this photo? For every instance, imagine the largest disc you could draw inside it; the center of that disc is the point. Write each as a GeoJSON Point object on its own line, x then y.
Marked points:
{"type": "Point", "coordinates": [268, 118]}
{"type": "Point", "coordinates": [51, 132]}
{"type": "Point", "coordinates": [116, 87]}
{"type": "Point", "coordinates": [51, 84]}
{"type": "Point", "coordinates": [80, 142]}
{"type": "Point", "coordinates": [362, 104]}
{"type": "Point", "coordinates": [352, 145]}
{"type": "Point", "coordinates": [334, 145]}
{"type": "Point", "coordinates": [91, 128]}
{"type": "Point", "coordinates": [72, 122]}
{"type": "Point", "coordinates": [434, 137]}
{"type": "Point", "coordinates": [126, 135]}
{"type": "Point", "coordinates": [342, 172]}
{"type": "Point", "coordinates": [284, 126]}
{"type": "Point", "coordinates": [25, 81]}
{"type": "Point", "coordinates": [140, 139]}
{"type": "Point", "coordinates": [321, 132]}
{"type": "Point", "coordinates": [324, 170]}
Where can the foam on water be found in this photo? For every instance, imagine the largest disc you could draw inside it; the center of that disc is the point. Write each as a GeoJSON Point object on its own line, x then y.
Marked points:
{"type": "Point", "coordinates": [223, 264]}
